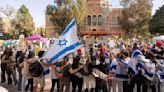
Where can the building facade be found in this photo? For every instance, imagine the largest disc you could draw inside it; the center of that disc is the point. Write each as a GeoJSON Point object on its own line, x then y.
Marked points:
{"type": "Point", "coordinates": [100, 22]}
{"type": "Point", "coordinates": [5, 26]}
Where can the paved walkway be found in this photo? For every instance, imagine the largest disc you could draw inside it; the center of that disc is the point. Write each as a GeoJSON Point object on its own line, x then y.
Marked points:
{"type": "Point", "coordinates": [13, 88]}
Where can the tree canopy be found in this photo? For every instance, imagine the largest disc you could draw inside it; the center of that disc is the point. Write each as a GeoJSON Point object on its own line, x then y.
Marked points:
{"type": "Point", "coordinates": [64, 11]}
{"type": "Point", "coordinates": [8, 13]}
{"type": "Point", "coordinates": [157, 22]}
{"type": "Point", "coordinates": [24, 21]}
{"type": "Point", "coordinates": [136, 16]}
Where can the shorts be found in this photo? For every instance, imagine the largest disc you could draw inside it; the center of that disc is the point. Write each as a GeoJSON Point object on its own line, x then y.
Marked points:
{"type": "Point", "coordinates": [40, 81]}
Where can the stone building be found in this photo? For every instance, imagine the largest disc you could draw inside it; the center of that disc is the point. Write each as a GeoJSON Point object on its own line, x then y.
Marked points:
{"type": "Point", "coordinates": [5, 26]}
{"type": "Point", "coordinates": [101, 21]}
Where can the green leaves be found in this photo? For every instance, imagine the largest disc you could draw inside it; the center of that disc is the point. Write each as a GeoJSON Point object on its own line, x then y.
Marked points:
{"type": "Point", "coordinates": [65, 11]}
{"type": "Point", "coordinates": [24, 21]}
{"type": "Point", "coordinates": [157, 22]}
{"type": "Point", "coordinates": [136, 16]}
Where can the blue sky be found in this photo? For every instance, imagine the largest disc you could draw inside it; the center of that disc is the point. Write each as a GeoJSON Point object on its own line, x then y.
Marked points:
{"type": "Point", "coordinates": [37, 7]}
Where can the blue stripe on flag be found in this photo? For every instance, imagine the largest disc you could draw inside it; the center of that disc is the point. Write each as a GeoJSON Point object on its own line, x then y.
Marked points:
{"type": "Point", "coordinates": [148, 74]}
{"type": "Point", "coordinates": [122, 76]}
{"type": "Point", "coordinates": [161, 76]}
{"type": "Point", "coordinates": [136, 53]}
{"type": "Point", "coordinates": [139, 65]}
{"type": "Point", "coordinates": [124, 64]}
{"type": "Point", "coordinates": [113, 67]}
{"type": "Point", "coordinates": [69, 27]}
{"type": "Point", "coordinates": [46, 71]}
{"type": "Point", "coordinates": [69, 48]}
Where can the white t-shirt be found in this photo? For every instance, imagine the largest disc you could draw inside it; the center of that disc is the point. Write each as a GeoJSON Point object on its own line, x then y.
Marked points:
{"type": "Point", "coordinates": [53, 73]}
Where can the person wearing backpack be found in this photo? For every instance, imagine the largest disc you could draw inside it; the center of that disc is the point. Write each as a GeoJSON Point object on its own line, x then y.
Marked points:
{"type": "Point", "coordinates": [36, 70]}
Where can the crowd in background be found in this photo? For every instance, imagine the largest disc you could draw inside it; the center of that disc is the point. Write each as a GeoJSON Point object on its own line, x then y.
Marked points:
{"type": "Point", "coordinates": [112, 66]}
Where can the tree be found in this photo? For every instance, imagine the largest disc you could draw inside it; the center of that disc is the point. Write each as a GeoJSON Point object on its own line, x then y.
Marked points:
{"type": "Point", "coordinates": [41, 31]}
{"type": "Point", "coordinates": [135, 17]}
{"type": "Point", "coordinates": [24, 21]}
{"type": "Point", "coordinates": [64, 11]}
{"type": "Point", "coordinates": [157, 22]}
{"type": "Point", "coordinates": [9, 12]}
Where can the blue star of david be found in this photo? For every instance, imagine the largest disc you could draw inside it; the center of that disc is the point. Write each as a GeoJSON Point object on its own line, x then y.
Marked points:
{"type": "Point", "coordinates": [62, 42]}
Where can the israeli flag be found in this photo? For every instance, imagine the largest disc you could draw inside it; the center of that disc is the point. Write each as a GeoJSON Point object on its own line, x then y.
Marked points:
{"type": "Point", "coordinates": [136, 53]}
{"type": "Point", "coordinates": [149, 71]}
{"type": "Point", "coordinates": [121, 74]}
{"type": "Point", "coordinates": [67, 42]}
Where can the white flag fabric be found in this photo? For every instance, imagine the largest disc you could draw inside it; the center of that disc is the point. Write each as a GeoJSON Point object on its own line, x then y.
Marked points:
{"type": "Point", "coordinates": [67, 42]}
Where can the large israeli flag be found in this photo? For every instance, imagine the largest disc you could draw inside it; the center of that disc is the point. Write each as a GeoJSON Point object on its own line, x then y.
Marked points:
{"type": "Point", "coordinates": [67, 42]}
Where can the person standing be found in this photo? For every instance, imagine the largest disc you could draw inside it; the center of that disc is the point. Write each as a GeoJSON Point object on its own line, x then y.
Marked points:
{"type": "Point", "coordinates": [3, 67]}
{"type": "Point", "coordinates": [19, 59]}
{"type": "Point", "coordinates": [104, 68]}
{"type": "Point", "coordinates": [120, 67]}
{"type": "Point", "coordinates": [26, 72]}
{"type": "Point", "coordinates": [54, 76]}
{"type": "Point", "coordinates": [76, 81]}
{"type": "Point", "coordinates": [9, 65]}
{"type": "Point", "coordinates": [137, 60]}
{"type": "Point", "coordinates": [38, 69]}
{"type": "Point", "coordinates": [64, 80]}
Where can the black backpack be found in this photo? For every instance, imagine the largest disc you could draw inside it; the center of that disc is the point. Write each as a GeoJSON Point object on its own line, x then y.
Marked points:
{"type": "Point", "coordinates": [36, 69]}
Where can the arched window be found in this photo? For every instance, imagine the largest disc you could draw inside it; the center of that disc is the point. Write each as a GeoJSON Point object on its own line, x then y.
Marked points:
{"type": "Point", "coordinates": [100, 20]}
{"type": "Point", "coordinates": [85, 21]}
{"type": "Point", "coordinates": [94, 20]}
{"type": "Point", "coordinates": [89, 20]}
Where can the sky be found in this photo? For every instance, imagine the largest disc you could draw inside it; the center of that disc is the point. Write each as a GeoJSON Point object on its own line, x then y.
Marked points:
{"type": "Point", "coordinates": [37, 7]}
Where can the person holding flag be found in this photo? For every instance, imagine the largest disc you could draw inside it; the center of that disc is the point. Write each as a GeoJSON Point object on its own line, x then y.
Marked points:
{"type": "Point", "coordinates": [67, 43]}
{"type": "Point", "coordinates": [136, 68]}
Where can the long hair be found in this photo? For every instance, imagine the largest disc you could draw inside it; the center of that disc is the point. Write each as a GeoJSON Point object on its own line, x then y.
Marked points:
{"type": "Point", "coordinates": [8, 54]}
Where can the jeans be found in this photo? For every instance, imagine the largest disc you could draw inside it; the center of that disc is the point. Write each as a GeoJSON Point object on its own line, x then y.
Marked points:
{"type": "Point", "coordinates": [54, 81]}
{"type": "Point", "coordinates": [139, 80]}
{"type": "Point", "coordinates": [29, 84]}
{"type": "Point", "coordinates": [3, 72]}
{"type": "Point", "coordinates": [125, 86]}
{"type": "Point", "coordinates": [78, 83]}
{"type": "Point", "coordinates": [20, 78]}
{"type": "Point", "coordinates": [103, 87]}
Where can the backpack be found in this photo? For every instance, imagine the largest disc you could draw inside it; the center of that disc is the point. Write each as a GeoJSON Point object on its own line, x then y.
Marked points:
{"type": "Point", "coordinates": [36, 69]}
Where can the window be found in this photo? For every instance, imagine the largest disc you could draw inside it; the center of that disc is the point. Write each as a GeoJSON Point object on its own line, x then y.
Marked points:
{"type": "Point", "coordinates": [85, 21]}
{"type": "Point", "coordinates": [115, 20]}
{"type": "Point", "coordinates": [100, 20]}
{"type": "Point", "coordinates": [94, 20]}
{"type": "Point", "coordinates": [89, 20]}
{"type": "Point", "coordinates": [93, 29]}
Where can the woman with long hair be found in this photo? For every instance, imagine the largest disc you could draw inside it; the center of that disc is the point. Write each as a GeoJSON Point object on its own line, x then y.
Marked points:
{"type": "Point", "coordinates": [9, 65]}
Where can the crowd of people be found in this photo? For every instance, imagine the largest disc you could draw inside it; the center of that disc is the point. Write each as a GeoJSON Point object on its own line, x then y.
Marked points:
{"type": "Point", "coordinates": [100, 68]}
